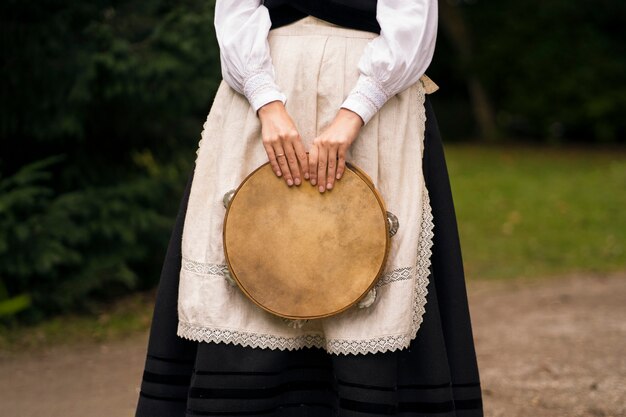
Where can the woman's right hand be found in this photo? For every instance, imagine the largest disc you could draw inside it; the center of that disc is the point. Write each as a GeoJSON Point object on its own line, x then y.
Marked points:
{"type": "Point", "coordinates": [283, 143]}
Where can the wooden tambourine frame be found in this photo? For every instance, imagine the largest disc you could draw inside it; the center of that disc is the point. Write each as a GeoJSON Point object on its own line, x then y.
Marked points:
{"type": "Point", "coordinates": [270, 249]}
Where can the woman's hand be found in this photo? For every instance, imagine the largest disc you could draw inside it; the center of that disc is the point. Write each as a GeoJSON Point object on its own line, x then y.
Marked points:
{"type": "Point", "coordinates": [282, 142]}
{"type": "Point", "coordinates": [327, 156]}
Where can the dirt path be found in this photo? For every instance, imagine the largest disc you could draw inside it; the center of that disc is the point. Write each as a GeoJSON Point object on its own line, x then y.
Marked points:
{"type": "Point", "coordinates": [553, 348]}
{"type": "Point", "coordinates": [545, 349]}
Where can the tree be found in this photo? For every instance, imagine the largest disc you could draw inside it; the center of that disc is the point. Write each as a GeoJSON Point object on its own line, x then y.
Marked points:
{"type": "Point", "coordinates": [458, 32]}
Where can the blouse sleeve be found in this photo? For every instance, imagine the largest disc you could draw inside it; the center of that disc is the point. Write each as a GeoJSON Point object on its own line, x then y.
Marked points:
{"type": "Point", "coordinates": [398, 57]}
{"type": "Point", "coordinates": [241, 29]}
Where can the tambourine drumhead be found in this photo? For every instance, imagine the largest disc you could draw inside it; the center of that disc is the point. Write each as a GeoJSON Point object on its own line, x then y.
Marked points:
{"type": "Point", "coordinates": [302, 254]}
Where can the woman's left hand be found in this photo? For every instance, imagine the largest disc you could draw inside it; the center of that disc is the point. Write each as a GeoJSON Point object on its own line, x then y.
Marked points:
{"type": "Point", "coordinates": [327, 156]}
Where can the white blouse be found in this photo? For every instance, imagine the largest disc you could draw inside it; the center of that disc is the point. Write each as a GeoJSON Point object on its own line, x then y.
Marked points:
{"type": "Point", "coordinates": [390, 63]}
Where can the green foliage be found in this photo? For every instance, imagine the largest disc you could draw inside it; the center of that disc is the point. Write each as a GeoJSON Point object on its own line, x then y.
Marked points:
{"type": "Point", "coordinates": [10, 306]}
{"type": "Point", "coordinates": [65, 248]}
{"type": "Point", "coordinates": [115, 71]}
{"type": "Point", "coordinates": [554, 69]}
{"type": "Point", "coordinates": [118, 91]}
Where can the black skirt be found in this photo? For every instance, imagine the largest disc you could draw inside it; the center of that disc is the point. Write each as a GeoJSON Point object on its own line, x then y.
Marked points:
{"type": "Point", "coordinates": [436, 376]}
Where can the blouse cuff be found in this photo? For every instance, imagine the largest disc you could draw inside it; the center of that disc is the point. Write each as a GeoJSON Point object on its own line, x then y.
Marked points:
{"type": "Point", "coordinates": [366, 98]}
{"type": "Point", "coordinates": [260, 89]}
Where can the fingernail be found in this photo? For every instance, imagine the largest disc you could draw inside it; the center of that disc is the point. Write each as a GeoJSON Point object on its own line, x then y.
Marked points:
{"type": "Point", "coordinates": [338, 176]}
{"type": "Point", "coordinates": [278, 173]}
{"type": "Point", "coordinates": [306, 175]}
{"type": "Point", "coordinates": [289, 182]}
{"type": "Point", "coordinates": [297, 181]}
{"type": "Point", "coordinates": [329, 186]}
{"type": "Point", "coordinates": [313, 181]}
{"type": "Point", "coordinates": [321, 188]}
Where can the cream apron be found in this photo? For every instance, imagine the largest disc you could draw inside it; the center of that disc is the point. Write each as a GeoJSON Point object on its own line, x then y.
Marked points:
{"type": "Point", "coordinates": [315, 65]}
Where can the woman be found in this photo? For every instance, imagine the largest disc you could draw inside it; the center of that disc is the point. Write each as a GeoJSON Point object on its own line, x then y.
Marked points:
{"type": "Point", "coordinates": [342, 81]}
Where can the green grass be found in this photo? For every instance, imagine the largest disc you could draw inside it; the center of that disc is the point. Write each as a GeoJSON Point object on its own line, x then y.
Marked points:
{"type": "Point", "coordinates": [127, 316]}
{"type": "Point", "coordinates": [528, 211]}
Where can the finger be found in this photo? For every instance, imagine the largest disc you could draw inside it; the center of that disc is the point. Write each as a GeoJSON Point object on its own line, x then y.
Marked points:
{"type": "Point", "coordinates": [321, 168]}
{"type": "Point", "coordinates": [302, 157]}
{"type": "Point", "coordinates": [332, 167]}
{"type": "Point", "coordinates": [313, 164]}
{"type": "Point", "coordinates": [292, 160]}
{"type": "Point", "coordinates": [341, 164]}
{"type": "Point", "coordinates": [282, 162]}
{"type": "Point", "coordinates": [271, 155]}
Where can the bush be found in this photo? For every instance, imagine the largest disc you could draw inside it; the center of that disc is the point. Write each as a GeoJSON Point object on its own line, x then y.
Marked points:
{"type": "Point", "coordinates": [65, 250]}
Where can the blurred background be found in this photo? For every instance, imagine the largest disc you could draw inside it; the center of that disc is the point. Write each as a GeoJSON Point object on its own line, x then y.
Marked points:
{"type": "Point", "coordinates": [103, 102]}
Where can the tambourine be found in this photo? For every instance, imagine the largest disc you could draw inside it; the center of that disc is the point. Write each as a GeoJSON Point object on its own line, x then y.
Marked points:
{"type": "Point", "coordinates": [301, 254]}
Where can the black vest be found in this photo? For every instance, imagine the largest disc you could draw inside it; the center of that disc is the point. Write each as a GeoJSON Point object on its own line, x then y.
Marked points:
{"type": "Point", "coordinates": [355, 14]}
